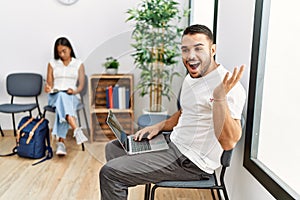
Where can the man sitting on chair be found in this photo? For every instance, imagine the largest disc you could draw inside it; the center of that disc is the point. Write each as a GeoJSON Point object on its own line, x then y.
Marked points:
{"type": "Point", "coordinates": [211, 101]}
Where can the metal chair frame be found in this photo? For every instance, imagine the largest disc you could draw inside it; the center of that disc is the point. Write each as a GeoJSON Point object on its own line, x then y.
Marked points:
{"type": "Point", "coordinates": [1, 131]}
{"type": "Point", "coordinates": [23, 85]}
{"type": "Point", "coordinates": [211, 183]}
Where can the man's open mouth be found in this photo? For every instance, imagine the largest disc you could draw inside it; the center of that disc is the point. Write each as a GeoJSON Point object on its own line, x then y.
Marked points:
{"type": "Point", "coordinates": [194, 64]}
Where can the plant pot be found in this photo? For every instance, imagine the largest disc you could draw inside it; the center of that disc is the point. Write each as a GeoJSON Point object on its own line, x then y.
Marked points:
{"type": "Point", "coordinates": [111, 70]}
{"type": "Point", "coordinates": [163, 111]}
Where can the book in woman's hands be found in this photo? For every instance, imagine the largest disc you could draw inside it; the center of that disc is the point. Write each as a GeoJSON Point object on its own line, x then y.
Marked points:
{"type": "Point", "coordinates": [54, 91]}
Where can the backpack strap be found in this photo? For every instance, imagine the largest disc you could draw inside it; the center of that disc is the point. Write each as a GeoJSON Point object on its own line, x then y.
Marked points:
{"type": "Point", "coordinates": [49, 150]}
{"type": "Point", "coordinates": [14, 152]}
{"type": "Point", "coordinates": [33, 130]}
{"type": "Point", "coordinates": [23, 126]}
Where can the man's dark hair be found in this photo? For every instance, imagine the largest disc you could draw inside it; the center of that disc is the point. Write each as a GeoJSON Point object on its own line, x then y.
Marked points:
{"type": "Point", "coordinates": [196, 29]}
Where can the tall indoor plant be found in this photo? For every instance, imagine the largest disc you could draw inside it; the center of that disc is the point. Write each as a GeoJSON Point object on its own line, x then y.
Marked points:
{"type": "Point", "coordinates": [156, 35]}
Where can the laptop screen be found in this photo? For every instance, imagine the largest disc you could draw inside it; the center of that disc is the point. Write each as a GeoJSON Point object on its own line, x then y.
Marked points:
{"type": "Point", "coordinates": [117, 128]}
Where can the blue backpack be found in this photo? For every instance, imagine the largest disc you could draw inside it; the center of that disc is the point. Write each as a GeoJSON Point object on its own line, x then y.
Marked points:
{"type": "Point", "coordinates": [33, 140]}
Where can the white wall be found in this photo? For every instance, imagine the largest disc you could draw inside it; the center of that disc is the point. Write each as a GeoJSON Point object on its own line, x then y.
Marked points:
{"type": "Point", "coordinates": [97, 29]}
{"type": "Point", "coordinates": [29, 29]}
{"type": "Point", "coordinates": [234, 41]}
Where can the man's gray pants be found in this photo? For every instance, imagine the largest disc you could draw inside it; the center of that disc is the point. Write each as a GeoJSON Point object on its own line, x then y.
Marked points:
{"type": "Point", "coordinates": [122, 171]}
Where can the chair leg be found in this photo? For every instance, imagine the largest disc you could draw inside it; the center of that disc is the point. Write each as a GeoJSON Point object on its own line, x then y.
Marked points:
{"type": "Point", "coordinates": [147, 191]}
{"type": "Point", "coordinates": [14, 124]}
{"type": "Point", "coordinates": [79, 122]}
{"type": "Point", "coordinates": [225, 193]}
{"type": "Point", "coordinates": [44, 113]}
{"type": "Point", "coordinates": [153, 192]}
{"type": "Point", "coordinates": [213, 194]}
{"type": "Point", "coordinates": [1, 132]}
{"type": "Point", "coordinates": [38, 107]}
{"type": "Point", "coordinates": [218, 190]}
{"type": "Point", "coordinates": [86, 122]}
{"type": "Point", "coordinates": [219, 194]}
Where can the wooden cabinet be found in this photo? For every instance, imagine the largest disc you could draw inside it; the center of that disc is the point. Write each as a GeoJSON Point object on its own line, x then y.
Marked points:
{"type": "Point", "coordinates": [100, 131]}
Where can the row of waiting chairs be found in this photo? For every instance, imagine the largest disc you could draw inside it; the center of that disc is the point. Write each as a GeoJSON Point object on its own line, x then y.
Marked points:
{"type": "Point", "coordinates": [27, 85]}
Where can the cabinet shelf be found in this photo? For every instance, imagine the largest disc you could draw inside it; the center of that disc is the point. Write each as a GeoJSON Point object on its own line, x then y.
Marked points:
{"type": "Point", "coordinates": [97, 101]}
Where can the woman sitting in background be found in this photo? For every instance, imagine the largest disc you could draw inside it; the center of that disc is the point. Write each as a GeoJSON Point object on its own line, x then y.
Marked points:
{"type": "Point", "coordinates": [62, 75]}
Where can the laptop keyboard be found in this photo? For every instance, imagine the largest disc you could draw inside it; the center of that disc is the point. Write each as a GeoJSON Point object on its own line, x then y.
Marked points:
{"type": "Point", "coordinates": [140, 146]}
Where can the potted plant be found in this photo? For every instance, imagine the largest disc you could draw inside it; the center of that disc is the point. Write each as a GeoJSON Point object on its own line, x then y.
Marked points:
{"type": "Point", "coordinates": [157, 36]}
{"type": "Point", "coordinates": [111, 64]}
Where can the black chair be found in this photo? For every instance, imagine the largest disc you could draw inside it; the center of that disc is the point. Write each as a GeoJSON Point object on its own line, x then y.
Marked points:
{"type": "Point", "coordinates": [211, 183]}
{"type": "Point", "coordinates": [1, 131]}
{"type": "Point", "coordinates": [22, 85]}
{"type": "Point", "coordinates": [80, 107]}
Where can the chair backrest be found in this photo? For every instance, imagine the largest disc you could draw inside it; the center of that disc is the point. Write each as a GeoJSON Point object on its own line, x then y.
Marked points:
{"type": "Point", "coordinates": [85, 87]}
{"type": "Point", "coordinates": [225, 161]}
{"type": "Point", "coordinates": [226, 158]}
{"type": "Point", "coordinates": [24, 84]}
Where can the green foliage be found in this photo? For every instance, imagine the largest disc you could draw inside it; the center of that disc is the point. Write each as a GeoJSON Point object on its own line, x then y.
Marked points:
{"type": "Point", "coordinates": [157, 37]}
{"type": "Point", "coordinates": [111, 63]}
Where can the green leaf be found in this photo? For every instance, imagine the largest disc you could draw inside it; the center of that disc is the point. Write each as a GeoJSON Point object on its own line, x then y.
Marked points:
{"type": "Point", "coordinates": [156, 37]}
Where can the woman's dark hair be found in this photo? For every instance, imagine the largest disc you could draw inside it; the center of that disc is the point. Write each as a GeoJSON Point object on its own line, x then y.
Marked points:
{"type": "Point", "coordinates": [64, 42]}
{"type": "Point", "coordinates": [197, 28]}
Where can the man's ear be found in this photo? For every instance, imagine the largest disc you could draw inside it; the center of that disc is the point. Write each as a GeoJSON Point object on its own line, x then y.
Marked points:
{"type": "Point", "coordinates": [213, 49]}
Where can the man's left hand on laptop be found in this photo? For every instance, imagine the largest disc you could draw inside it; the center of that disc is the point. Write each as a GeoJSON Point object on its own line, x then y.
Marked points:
{"type": "Point", "coordinates": [148, 132]}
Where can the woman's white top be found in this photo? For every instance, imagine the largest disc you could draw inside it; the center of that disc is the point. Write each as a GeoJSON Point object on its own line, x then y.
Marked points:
{"type": "Point", "coordinates": [65, 77]}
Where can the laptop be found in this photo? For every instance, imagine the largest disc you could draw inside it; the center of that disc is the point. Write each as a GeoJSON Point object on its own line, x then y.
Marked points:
{"type": "Point", "coordinates": [129, 144]}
